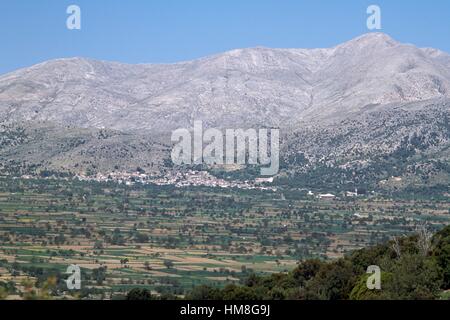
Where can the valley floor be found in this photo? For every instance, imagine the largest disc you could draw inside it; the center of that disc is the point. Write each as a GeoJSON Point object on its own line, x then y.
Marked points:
{"type": "Point", "coordinates": [169, 239]}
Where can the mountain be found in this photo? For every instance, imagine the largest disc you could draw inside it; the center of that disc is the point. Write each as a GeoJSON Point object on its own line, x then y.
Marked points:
{"type": "Point", "coordinates": [356, 106]}
{"type": "Point", "coordinates": [395, 146]}
{"type": "Point", "coordinates": [35, 146]}
{"type": "Point", "coordinates": [240, 88]}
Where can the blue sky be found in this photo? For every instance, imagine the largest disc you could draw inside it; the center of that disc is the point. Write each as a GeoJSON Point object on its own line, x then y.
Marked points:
{"type": "Point", "coordinates": [150, 31]}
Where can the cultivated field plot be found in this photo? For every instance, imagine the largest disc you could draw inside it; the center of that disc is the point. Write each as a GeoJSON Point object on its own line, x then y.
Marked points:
{"type": "Point", "coordinates": [169, 240]}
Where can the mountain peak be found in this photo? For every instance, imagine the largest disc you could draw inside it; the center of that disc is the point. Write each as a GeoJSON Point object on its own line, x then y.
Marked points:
{"type": "Point", "coordinates": [375, 36]}
{"type": "Point", "coordinates": [238, 88]}
{"type": "Point", "coordinates": [371, 39]}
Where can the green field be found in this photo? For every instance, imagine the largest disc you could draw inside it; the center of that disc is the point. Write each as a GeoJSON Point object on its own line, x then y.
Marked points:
{"type": "Point", "coordinates": [169, 240]}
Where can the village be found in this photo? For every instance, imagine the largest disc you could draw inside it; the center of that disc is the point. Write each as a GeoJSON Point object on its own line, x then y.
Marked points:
{"type": "Point", "coordinates": [179, 179]}
{"type": "Point", "coordinates": [192, 178]}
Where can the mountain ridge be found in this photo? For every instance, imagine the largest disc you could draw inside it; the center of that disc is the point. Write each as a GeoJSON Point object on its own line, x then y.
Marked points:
{"type": "Point", "coordinates": [238, 88]}
{"type": "Point", "coordinates": [364, 110]}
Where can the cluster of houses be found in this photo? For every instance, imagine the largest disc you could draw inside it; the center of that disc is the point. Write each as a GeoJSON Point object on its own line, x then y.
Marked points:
{"type": "Point", "coordinates": [178, 179]}
{"type": "Point", "coordinates": [126, 178]}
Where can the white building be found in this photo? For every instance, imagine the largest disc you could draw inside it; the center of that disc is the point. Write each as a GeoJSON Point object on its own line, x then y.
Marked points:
{"type": "Point", "coordinates": [327, 196]}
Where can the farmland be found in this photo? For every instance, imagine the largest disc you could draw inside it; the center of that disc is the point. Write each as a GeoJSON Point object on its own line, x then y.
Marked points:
{"type": "Point", "coordinates": [171, 239]}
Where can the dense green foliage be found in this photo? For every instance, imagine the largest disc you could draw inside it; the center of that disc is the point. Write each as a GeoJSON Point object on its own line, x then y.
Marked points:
{"type": "Point", "coordinates": [407, 273]}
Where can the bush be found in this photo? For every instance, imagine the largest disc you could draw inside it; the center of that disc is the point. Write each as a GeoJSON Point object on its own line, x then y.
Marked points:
{"type": "Point", "coordinates": [138, 294]}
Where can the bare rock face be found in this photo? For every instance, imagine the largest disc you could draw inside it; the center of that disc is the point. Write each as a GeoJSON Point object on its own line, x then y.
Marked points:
{"type": "Point", "coordinates": [351, 106]}
{"type": "Point", "coordinates": [240, 88]}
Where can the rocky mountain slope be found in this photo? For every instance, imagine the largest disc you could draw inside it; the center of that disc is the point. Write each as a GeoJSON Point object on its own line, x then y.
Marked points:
{"type": "Point", "coordinates": [409, 141]}
{"type": "Point", "coordinates": [240, 88]}
{"type": "Point", "coordinates": [33, 147]}
{"type": "Point", "coordinates": [363, 106]}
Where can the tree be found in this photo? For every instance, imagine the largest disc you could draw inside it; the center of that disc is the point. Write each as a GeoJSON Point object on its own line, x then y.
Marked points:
{"type": "Point", "coordinates": [396, 247]}
{"type": "Point", "coordinates": [306, 270]}
{"type": "Point", "coordinates": [334, 281]}
{"type": "Point", "coordinates": [204, 292]}
{"type": "Point", "coordinates": [361, 292]}
{"type": "Point", "coordinates": [415, 277]}
{"type": "Point", "coordinates": [139, 294]}
{"type": "Point", "coordinates": [425, 236]}
{"type": "Point", "coordinates": [99, 275]}
{"type": "Point", "coordinates": [141, 238]}
{"type": "Point", "coordinates": [3, 293]}
{"type": "Point", "coordinates": [168, 264]}
{"type": "Point", "coordinates": [234, 292]}
{"type": "Point", "coordinates": [441, 254]}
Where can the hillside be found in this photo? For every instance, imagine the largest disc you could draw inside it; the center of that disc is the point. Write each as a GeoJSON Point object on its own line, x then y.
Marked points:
{"type": "Point", "coordinates": [239, 88]}
{"type": "Point", "coordinates": [417, 270]}
{"type": "Point", "coordinates": [363, 111]}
